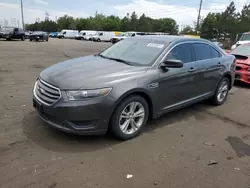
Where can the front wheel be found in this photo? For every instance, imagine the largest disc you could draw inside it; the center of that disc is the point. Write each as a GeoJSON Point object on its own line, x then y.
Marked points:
{"type": "Point", "coordinates": [129, 118]}
{"type": "Point", "coordinates": [221, 92]}
{"type": "Point", "coordinates": [23, 38]}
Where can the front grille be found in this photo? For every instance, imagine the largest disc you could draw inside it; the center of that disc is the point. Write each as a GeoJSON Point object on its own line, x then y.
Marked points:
{"type": "Point", "coordinates": [46, 93]}
{"type": "Point", "coordinates": [238, 68]}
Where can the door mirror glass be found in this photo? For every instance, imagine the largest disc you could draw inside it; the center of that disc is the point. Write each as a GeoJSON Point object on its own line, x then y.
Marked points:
{"type": "Point", "coordinates": [172, 64]}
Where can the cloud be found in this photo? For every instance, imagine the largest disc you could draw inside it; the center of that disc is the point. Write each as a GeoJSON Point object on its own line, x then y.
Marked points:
{"type": "Point", "coordinates": [10, 12]}
{"type": "Point", "coordinates": [41, 2]}
{"type": "Point", "coordinates": [184, 15]}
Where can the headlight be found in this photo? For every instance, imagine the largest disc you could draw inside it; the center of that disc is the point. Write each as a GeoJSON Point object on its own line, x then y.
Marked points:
{"type": "Point", "coordinates": [84, 94]}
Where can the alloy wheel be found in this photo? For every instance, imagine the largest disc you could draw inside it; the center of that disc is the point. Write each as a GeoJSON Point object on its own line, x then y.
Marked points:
{"type": "Point", "coordinates": [222, 91]}
{"type": "Point", "coordinates": [132, 118]}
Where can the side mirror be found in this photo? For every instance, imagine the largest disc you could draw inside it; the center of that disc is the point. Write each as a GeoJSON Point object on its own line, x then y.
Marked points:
{"type": "Point", "coordinates": [172, 64]}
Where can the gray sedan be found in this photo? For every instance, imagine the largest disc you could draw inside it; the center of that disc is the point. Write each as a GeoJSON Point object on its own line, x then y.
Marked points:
{"type": "Point", "coordinates": [136, 79]}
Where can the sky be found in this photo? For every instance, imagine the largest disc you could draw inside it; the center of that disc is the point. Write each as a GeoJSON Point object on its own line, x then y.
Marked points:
{"type": "Point", "coordinates": [184, 12]}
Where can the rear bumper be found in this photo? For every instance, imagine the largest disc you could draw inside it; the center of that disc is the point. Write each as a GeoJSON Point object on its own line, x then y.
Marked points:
{"type": "Point", "coordinates": [243, 76]}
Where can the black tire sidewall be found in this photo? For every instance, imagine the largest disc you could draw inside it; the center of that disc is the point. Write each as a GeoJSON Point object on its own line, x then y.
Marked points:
{"type": "Point", "coordinates": [216, 101]}
{"type": "Point", "coordinates": [114, 126]}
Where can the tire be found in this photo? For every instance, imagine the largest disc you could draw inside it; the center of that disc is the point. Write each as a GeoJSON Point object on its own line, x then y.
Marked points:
{"type": "Point", "coordinates": [223, 88]}
{"type": "Point", "coordinates": [23, 38]}
{"type": "Point", "coordinates": [98, 40]}
{"type": "Point", "coordinates": [47, 39]}
{"type": "Point", "coordinates": [116, 121]}
{"type": "Point", "coordinates": [30, 39]}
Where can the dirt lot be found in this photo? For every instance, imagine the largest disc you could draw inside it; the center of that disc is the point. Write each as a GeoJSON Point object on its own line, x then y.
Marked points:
{"type": "Point", "coordinates": [174, 151]}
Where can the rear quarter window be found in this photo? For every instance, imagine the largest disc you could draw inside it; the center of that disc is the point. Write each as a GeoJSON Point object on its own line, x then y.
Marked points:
{"type": "Point", "coordinates": [214, 53]}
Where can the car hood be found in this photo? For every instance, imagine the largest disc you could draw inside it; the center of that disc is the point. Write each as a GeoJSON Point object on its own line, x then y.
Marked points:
{"type": "Point", "coordinates": [122, 37]}
{"type": "Point", "coordinates": [5, 32]}
{"type": "Point", "coordinates": [243, 42]}
{"type": "Point", "coordinates": [89, 72]}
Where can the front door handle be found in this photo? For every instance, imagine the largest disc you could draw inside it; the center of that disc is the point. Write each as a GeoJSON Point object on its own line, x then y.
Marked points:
{"type": "Point", "coordinates": [192, 69]}
{"type": "Point", "coordinates": [219, 64]}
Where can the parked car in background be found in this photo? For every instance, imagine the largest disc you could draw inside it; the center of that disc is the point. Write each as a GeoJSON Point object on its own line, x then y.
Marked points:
{"type": "Point", "coordinates": [65, 33]}
{"type": "Point", "coordinates": [89, 34]}
{"type": "Point", "coordinates": [80, 35]}
{"type": "Point", "coordinates": [53, 34]}
{"type": "Point", "coordinates": [242, 54]}
{"type": "Point", "coordinates": [123, 86]}
{"type": "Point", "coordinates": [104, 36]}
{"type": "Point", "coordinates": [85, 35]}
{"type": "Point", "coordinates": [27, 34]}
{"type": "Point", "coordinates": [39, 36]}
{"type": "Point", "coordinates": [119, 37]}
{"type": "Point", "coordinates": [10, 33]}
{"type": "Point", "coordinates": [244, 39]}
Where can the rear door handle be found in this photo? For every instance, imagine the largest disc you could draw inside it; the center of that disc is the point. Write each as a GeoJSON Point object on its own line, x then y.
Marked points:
{"type": "Point", "coordinates": [192, 69]}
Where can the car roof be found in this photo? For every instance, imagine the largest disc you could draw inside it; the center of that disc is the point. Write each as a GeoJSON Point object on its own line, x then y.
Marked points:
{"type": "Point", "coordinates": [170, 38]}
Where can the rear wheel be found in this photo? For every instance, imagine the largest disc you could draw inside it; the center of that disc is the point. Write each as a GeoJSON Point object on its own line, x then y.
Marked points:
{"type": "Point", "coordinates": [129, 118]}
{"type": "Point", "coordinates": [221, 92]}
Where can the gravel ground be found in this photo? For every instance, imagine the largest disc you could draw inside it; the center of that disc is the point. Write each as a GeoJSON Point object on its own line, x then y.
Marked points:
{"type": "Point", "coordinates": [174, 150]}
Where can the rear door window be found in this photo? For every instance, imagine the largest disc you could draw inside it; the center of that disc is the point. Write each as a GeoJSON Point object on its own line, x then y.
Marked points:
{"type": "Point", "coordinates": [202, 51]}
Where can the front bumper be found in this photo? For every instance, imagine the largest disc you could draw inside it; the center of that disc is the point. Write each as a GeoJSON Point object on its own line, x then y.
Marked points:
{"type": "Point", "coordinates": [36, 37]}
{"type": "Point", "coordinates": [243, 76]}
{"type": "Point", "coordinates": [90, 117]}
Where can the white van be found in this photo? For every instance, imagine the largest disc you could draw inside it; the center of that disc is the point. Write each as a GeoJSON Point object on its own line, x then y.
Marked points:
{"type": "Point", "coordinates": [89, 34]}
{"type": "Point", "coordinates": [105, 36]}
{"type": "Point", "coordinates": [244, 39]}
{"type": "Point", "coordinates": [80, 35]}
{"type": "Point", "coordinates": [65, 33]}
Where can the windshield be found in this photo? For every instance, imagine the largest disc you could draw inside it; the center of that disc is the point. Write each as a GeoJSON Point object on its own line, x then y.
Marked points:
{"type": "Point", "coordinates": [242, 50]}
{"type": "Point", "coordinates": [6, 29]}
{"type": "Point", "coordinates": [245, 37]}
{"type": "Point", "coordinates": [137, 52]}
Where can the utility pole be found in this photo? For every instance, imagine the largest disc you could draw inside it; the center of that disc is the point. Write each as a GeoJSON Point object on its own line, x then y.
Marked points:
{"type": "Point", "coordinates": [22, 13]}
{"type": "Point", "coordinates": [199, 16]}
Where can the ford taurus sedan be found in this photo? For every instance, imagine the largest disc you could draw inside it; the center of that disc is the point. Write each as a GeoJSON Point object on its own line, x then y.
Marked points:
{"type": "Point", "coordinates": [120, 88]}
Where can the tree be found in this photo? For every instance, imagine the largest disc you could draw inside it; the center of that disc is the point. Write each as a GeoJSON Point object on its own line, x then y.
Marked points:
{"type": "Point", "coordinates": [188, 30]}
{"type": "Point", "coordinates": [144, 24]}
{"type": "Point", "coordinates": [208, 27]}
{"type": "Point", "coordinates": [133, 22]}
{"type": "Point", "coordinates": [65, 22]}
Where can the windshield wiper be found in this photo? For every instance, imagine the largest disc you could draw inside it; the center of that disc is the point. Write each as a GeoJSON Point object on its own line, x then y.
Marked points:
{"type": "Point", "coordinates": [120, 60]}
{"type": "Point", "coordinates": [115, 59]}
